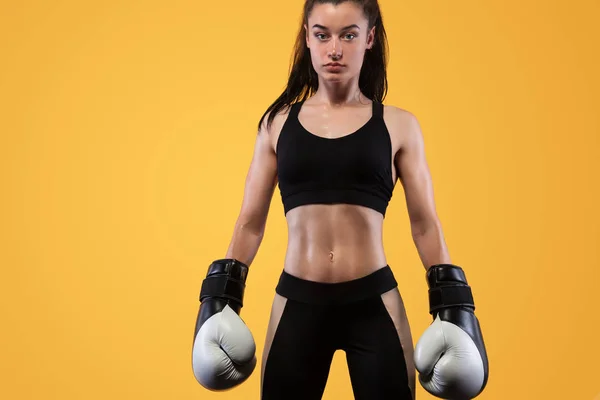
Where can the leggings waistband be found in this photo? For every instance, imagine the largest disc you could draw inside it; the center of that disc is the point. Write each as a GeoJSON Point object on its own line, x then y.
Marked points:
{"type": "Point", "coordinates": [374, 284]}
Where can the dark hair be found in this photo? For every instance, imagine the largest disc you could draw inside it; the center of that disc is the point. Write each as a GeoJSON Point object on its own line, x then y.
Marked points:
{"type": "Point", "coordinates": [303, 80]}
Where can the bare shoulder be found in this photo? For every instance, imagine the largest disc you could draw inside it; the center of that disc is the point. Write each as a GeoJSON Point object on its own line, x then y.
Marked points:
{"type": "Point", "coordinates": [398, 119]}
{"type": "Point", "coordinates": [274, 130]}
{"type": "Point", "coordinates": [401, 123]}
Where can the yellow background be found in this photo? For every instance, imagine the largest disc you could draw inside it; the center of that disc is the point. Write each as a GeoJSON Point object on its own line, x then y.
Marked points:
{"type": "Point", "coordinates": [126, 133]}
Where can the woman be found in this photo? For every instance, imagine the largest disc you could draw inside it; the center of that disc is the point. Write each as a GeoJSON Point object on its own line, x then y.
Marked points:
{"type": "Point", "coordinates": [336, 153]}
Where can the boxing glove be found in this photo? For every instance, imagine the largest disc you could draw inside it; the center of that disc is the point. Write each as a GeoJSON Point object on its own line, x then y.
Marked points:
{"type": "Point", "coordinates": [450, 356]}
{"type": "Point", "coordinates": [223, 354]}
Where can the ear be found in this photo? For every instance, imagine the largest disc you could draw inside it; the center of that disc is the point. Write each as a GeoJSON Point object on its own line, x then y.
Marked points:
{"type": "Point", "coordinates": [306, 35]}
{"type": "Point", "coordinates": [371, 38]}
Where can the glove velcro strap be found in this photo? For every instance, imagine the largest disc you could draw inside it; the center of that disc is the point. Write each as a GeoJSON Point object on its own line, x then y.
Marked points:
{"type": "Point", "coordinates": [450, 296]}
{"type": "Point", "coordinates": [224, 287]}
{"type": "Point", "coordinates": [226, 279]}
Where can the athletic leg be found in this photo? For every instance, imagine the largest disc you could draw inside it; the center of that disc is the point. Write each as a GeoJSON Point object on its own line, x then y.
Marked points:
{"type": "Point", "coordinates": [379, 349]}
{"type": "Point", "coordinates": [298, 352]}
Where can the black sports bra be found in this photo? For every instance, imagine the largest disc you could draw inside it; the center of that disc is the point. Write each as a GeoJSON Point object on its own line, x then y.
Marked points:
{"type": "Point", "coordinates": [352, 169]}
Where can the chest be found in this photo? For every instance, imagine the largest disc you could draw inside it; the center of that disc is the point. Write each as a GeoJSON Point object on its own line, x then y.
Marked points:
{"type": "Point", "coordinates": [362, 156]}
{"type": "Point", "coordinates": [331, 123]}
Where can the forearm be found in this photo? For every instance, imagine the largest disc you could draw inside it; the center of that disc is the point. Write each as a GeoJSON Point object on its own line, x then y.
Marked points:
{"type": "Point", "coordinates": [430, 244]}
{"type": "Point", "coordinates": [245, 243]}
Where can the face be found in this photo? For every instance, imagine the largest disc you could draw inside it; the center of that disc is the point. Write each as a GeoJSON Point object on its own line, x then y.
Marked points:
{"type": "Point", "coordinates": [338, 37]}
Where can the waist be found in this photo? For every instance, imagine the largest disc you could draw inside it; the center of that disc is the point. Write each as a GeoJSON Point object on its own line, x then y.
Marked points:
{"type": "Point", "coordinates": [374, 284]}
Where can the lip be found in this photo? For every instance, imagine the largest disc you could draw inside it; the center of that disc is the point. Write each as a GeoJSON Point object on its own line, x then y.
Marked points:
{"type": "Point", "coordinates": [334, 67]}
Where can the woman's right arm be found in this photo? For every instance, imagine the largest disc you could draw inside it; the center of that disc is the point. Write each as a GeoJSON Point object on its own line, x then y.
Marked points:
{"type": "Point", "coordinates": [218, 325]}
{"type": "Point", "coordinates": [261, 180]}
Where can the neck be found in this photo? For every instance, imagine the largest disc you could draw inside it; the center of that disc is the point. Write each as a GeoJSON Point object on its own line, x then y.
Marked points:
{"type": "Point", "coordinates": [337, 94]}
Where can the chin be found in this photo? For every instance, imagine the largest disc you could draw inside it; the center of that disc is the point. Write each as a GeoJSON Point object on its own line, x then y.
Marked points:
{"type": "Point", "coordinates": [334, 77]}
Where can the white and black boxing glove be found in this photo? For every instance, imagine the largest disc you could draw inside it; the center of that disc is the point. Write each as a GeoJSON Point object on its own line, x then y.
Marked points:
{"type": "Point", "coordinates": [223, 354]}
{"type": "Point", "coordinates": [450, 355]}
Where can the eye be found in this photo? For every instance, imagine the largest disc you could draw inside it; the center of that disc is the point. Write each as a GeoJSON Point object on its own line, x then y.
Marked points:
{"type": "Point", "coordinates": [320, 36]}
{"type": "Point", "coordinates": [349, 36]}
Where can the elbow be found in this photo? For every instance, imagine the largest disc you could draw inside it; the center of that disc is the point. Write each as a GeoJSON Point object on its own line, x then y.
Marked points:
{"type": "Point", "coordinates": [257, 232]}
{"type": "Point", "coordinates": [421, 226]}
{"type": "Point", "coordinates": [251, 226]}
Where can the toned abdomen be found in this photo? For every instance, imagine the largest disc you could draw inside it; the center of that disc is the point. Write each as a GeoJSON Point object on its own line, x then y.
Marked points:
{"type": "Point", "coordinates": [334, 243]}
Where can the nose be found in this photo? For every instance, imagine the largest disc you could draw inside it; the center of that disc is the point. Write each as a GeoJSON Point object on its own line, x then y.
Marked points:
{"type": "Point", "coordinates": [335, 52]}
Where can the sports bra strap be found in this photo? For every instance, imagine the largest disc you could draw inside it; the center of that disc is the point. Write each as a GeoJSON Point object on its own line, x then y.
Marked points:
{"type": "Point", "coordinates": [377, 109]}
{"type": "Point", "coordinates": [295, 109]}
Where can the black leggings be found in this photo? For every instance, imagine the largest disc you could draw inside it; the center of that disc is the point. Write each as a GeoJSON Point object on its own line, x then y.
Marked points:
{"type": "Point", "coordinates": [316, 319]}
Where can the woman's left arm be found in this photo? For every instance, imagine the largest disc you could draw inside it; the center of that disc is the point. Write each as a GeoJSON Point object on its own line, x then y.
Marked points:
{"type": "Point", "coordinates": [450, 355]}
{"type": "Point", "coordinates": [413, 172]}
